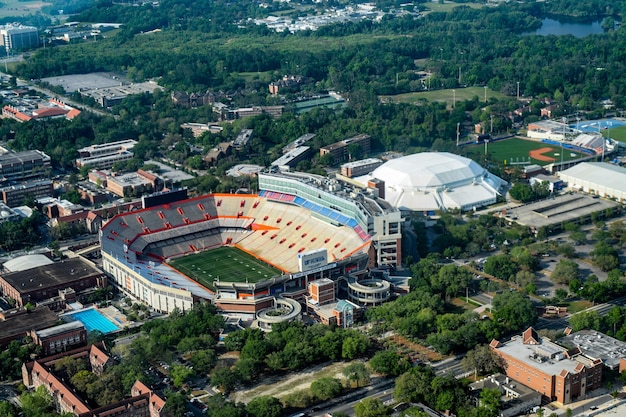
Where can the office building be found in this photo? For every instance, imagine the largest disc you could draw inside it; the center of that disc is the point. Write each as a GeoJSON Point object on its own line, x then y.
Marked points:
{"type": "Point", "coordinates": [18, 37]}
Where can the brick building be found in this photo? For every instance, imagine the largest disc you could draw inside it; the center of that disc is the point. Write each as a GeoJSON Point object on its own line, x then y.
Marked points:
{"type": "Point", "coordinates": [60, 338]}
{"type": "Point", "coordinates": [17, 323]}
{"type": "Point", "coordinates": [142, 403]}
{"type": "Point", "coordinates": [558, 374]}
{"type": "Point", "coordinates": [39, 284]}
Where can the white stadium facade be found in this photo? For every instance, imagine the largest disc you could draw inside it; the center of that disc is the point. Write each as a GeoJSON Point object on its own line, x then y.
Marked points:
{"type": "Point", "coordinates": [431, 181]}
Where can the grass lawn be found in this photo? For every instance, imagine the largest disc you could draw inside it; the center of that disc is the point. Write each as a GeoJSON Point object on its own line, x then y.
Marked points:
{"type": "Point", "coordinates": [21, 8]}
{"type": "Point", "coordinates": [447, 95]}
{"type": "Point", "coordinates": [461, 303]}
{"type": "Point", "coordinates": [517, 149]}
{"type": "Point", "coordinates": [576, 306]}
{"type": "Point", "coordinates": [226, 263]}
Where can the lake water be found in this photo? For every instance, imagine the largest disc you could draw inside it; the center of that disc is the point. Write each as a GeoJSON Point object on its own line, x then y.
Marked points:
{"type": "Point", "coordinates": [578, 29]}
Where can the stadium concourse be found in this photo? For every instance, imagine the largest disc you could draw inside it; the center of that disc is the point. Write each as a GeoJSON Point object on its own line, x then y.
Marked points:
{"type": "Point", "coordinates": [276, 228]}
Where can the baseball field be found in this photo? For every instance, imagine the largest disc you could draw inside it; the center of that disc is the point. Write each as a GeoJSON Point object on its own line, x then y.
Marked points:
{"type": "Point", "coordinates": [516, 151]}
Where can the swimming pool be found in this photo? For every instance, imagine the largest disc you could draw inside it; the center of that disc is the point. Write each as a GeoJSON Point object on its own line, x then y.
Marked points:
{"type": "Point", "coordinates": [94, 320]}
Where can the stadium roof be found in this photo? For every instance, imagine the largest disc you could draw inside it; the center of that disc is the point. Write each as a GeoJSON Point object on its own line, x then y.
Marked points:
{"type": "Point", "coordinates": [436, 180]}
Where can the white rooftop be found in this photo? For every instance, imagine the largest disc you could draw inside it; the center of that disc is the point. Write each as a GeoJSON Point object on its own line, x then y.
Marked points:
{"type": "Point", "coordinates": [25, 262]}
{"type": "Point", "coordinates": [608, 175]}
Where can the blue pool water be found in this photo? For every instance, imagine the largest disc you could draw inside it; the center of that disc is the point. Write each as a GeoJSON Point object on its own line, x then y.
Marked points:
{"type": "Point", "coordinates": [93, 320]}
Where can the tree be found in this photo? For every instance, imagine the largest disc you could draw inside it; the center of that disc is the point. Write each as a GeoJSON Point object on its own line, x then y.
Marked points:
{"type": "Point", "coordinates": [585, 320]}
{"type": "Point", "coordinates": [175, 404]}
{"type": "Point", "coordinates": [326, 388]}
{"type": "Point", "coordinates": [578, 237]}
{"type": "Point", "coordinates": [371, 407]}
{"type": "Point", "coordinates": [483, 360]}
{"type": "Point", "coordinates": [7, 409]}
{"type": "Point", "coordinates": [491, 400]}
{"type": "Point", "coordinates": [514, 310]}
{"type": "Point", "coordinates": [354, 346]}
{"type": "Point", "coordinates": [500, 266]}
{"type": "Point", "coordinates": [180, 374]}
{"type": "Point", "coordinates": [414, 385]}
{"type": "Point", "coordinates": [38, 403]}
{"type": "Point", "coordinates": [566, 250]}
{"type": "Point", "coordinates": [264, 406]}
{"type": "Point", "coordinates": [450, 279]}
{"type": "Point", "coordinates": [357, 372]}
{"type": "Point", "coordinates": [389, 363]}
{"type": "Point", "coordinates": [564, 272]}
{"type": "Point", "coordinates": [224, 378]}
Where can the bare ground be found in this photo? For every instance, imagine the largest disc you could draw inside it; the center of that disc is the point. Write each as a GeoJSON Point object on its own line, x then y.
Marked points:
{"type": "Point", "coordinates": [280, 386]}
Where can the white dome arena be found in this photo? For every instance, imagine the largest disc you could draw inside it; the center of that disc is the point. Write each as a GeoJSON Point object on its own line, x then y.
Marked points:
{"type": "Point", "coordinates": [432, 181]}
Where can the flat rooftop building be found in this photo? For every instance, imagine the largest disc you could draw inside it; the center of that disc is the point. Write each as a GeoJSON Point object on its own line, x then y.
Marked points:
{"type": "Point", "coordinates": [41, 283]}
{"type": "Point", "coordinates": [292, 157]}
{"type": "Point", "coordinates": [557, 373]}
{"type": "Point", "coordinates": [20, 165]}
{"type": "Point", "coordinates": [360, 167]}
{"type": "Point", "coordinates": [105, 155]}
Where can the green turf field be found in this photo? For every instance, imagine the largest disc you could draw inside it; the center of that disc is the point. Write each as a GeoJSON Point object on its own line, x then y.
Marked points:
{"type": "Point", "coordinates": [516, 150]}
{"type": "Point", "coordinates": [448, 95]}
{"type": "Point", "coordinates": [617, 133]}
{"type": "Point", "coordinates": [226, 264]}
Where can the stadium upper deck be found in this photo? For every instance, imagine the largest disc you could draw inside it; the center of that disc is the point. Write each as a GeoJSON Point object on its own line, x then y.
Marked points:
{"type": "Point", "coordinates": [135, 244]}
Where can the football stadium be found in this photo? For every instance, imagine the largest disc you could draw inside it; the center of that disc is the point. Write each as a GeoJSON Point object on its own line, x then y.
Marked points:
{"type": "Point", "coordinates": [247, 253]}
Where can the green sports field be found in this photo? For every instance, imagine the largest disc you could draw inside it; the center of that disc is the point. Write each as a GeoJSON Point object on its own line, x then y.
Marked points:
{"type": "Point", "coordinates": [226, 264]}
{"type": "Point", "coordinates": [517, 150]}
{"type": "Point", "coordinates": [616, 133]}
{"type": "Point", "coordinates": [448, 95]}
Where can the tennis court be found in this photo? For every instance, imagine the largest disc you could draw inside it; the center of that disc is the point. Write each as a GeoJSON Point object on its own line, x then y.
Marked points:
{"type": "Point", "coordinates": [226, 264]}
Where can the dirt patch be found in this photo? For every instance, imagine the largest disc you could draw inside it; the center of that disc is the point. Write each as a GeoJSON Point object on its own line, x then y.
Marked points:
{"type": "Point", "coordinates": [538, 154]}
{"type": "Point", "coordinates": [417, 352]}
{"type": "Point", "coordinates": [281, 385]}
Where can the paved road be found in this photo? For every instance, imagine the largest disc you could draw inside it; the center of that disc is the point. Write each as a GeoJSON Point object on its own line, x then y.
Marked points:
{"type": "Point", "coordinates": [382, 389]}
{"type": "Point", "coordinates": [559, 324]}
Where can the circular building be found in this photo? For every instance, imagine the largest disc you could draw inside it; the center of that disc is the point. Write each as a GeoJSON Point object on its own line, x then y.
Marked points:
{"type": "Point", "coordinates": [432, 181]}
{"type": "Point", "coordinates": [370, 292]}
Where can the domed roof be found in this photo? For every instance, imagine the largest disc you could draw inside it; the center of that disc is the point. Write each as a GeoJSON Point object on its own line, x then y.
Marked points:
{"type": "Point", "coordinates": [428, 170]}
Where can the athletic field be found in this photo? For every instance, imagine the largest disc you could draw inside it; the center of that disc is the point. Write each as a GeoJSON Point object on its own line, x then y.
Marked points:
{"type": "Point", "coordinates": [614, 128]}
{"type": "Point", "coordinates": [513, 151]}
{"type": "Point", "coordinates": [448, 95]}
{"type": "Point", "coordinates": [226, 264]}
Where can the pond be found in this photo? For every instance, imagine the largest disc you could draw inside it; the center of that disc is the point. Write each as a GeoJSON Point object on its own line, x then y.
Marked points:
{"type": "Point", "coordinates": [577, 29]}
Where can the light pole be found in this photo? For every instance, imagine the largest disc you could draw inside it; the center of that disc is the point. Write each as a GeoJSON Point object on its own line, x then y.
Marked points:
{"type": "Point", "coordinates": [518, 91]}
{"type": "Point", "coordinates": [485, 94]}
{"type": "Point", "coordinates": [453, 99]}
{"type": "Point", "coordinates": [458, 133]}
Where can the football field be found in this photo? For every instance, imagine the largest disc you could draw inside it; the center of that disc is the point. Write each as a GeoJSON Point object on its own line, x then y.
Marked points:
{"type": "Point", "coordinates": [226, 264]}
{"type": "Point", "coordinates": [514, 151]}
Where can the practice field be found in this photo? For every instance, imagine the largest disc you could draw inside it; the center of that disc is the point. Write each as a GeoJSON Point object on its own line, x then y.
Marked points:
{"type": "Point", "coordinates": [514, 151]}
{"type": "Point", "coordinates": [226, 264]}
{"type": "Point", "coordinates": [613, 128]}
{"type": "Point", "coordinates": [448, 95]}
